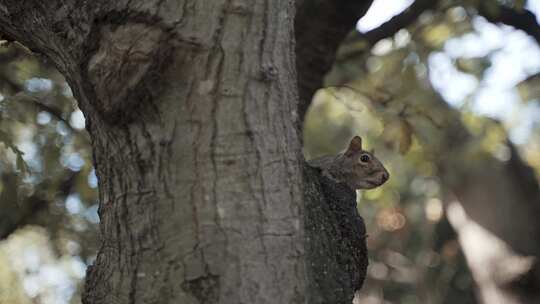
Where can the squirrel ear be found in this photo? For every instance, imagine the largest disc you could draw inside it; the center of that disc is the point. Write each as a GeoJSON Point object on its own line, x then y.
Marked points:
{"type": "Point", "coordinates": [355, 146]}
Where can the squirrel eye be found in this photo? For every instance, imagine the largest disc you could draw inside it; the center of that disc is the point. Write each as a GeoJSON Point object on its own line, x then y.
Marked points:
{"type": "Point", "coordinates": [364, 158]}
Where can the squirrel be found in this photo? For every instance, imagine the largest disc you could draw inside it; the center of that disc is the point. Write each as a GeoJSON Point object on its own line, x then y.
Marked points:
{"type": "Point", "coordinates": [357, 168]}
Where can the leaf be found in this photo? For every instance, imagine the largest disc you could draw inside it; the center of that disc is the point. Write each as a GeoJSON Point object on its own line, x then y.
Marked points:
{"type": "Point", "coordinates": [405, 139]}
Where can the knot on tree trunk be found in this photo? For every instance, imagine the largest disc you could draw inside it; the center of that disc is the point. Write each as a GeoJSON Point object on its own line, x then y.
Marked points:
{"type": "Point", "coordinates": [125, 70]}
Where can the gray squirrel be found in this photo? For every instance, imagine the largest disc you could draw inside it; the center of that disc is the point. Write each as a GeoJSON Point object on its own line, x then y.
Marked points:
{"type": "Point", "coordinates": [335, 232]}
{"type": "Point", "coordinates": [357, 168]}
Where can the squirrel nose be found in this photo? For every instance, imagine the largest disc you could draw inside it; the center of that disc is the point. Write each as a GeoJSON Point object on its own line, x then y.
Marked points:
{"type": "Point", "coordinates": [385, 176]}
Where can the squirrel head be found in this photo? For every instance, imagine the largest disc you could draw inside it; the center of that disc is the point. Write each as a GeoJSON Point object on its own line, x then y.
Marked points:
{"type": "Point", "coordinates": [362, 169]}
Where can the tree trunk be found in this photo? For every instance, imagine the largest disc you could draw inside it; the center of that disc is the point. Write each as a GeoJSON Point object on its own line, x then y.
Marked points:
{"type": "Point", "coordinates": [191, 110]}
{"type": "Point", "coordinates": [200, 199]}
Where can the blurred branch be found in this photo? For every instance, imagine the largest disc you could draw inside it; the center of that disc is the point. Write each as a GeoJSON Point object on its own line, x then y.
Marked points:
{"type": "Point", "coordinates": [18, 211]}
{"type": "Point", "coordinates": [36, 102]}
{"type": "Point", "coordinates": [15, 211]}
{"type": "Point", "coordinates": [387, 29]}
{"type": "Point", "coordinates": [398, 22]}
{"type": "Point", "coordinates": [15, 219]}
{"type": "Point", "coordinates": [9, 83]}
{"type": "Point", "coordinates": [320, 27]}
{"type": "Point", "coordinates": [522, 19]}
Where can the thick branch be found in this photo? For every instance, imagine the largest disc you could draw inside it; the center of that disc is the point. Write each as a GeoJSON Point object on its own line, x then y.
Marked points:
{"type": "Point", "coordinates": [57, 30]}
{"type": "Point", "coordinates": [390, 27]}
{"type": "Point", "coordinates": [320, 28]}
{"type": "Point", "coordinates": [45, 28]}
{"type": "Point", "coordinates": [398, 22]}
{"type": "Point", "coordinates": [523, 19]}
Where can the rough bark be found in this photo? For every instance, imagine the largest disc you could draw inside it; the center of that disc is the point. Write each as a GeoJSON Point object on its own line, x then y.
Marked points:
{"type": "Point", "coordinates": [191, 110]}
{"type": "Point", "coordinates": [335, 241]}
{"type": "Point", "coordinates": [191, 107]}
{"type": "Point", "coordinates": [336, 255]}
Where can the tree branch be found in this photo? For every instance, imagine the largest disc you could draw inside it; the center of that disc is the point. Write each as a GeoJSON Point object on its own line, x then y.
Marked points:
{"type": "Point", "coordinates": [398, 22]}
{"type": "Point", "coordinates": [522, 19]}
{"type": "Point", "coordinates": [320, 27]}
{"type": "Point", "coordinates": [389, 28]}
{"type": "Point", "coordinates": [19, 211]}
{"type": "Point", "coordinates": [35, 101]}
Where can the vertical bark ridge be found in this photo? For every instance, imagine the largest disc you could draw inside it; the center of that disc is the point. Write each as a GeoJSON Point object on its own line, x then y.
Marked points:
{"type": "Point", "coordinates": [239, 213]}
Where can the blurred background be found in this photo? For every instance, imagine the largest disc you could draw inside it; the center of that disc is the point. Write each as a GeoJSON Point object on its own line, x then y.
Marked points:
{"type": "Point", "coordinates": [450, 102]}
{"type": "Point", "coordinates": [48, 189]}
{"type": "Point", "coordinates": [446, 94]}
